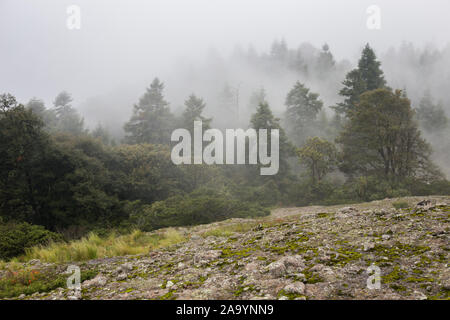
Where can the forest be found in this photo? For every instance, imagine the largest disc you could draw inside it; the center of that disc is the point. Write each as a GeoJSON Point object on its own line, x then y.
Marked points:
{"type": "Point", "coordinates": [60, 180]}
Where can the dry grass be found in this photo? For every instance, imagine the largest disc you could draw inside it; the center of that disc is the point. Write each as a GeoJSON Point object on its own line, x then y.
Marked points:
{"type": "Point", "coordinates": [93, 246]}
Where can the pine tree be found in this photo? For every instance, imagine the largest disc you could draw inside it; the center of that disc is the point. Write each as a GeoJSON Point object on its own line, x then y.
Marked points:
{"type": "Point", "coordinates": [302, 109]}
{"type": "Point", "coordinates": [368, 76]}
{"type": "Point", "coordinates": [382, 138]}
{"type": "Point", "coordinates": [431, 116]}
{"type": "Point", "coordinates": [264, 119]}
{"type": "Point", "coordinates": [67, 117]}
{"type": "Point", "coordinates": [325, 62]}
{"type": "Point", "coordinates": [193, 112]}
{"type": "Point", "coordinates": [152, 121]}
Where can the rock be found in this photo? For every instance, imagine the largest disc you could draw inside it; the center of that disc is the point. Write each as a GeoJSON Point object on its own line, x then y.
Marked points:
{"type": "Point", "coordinates": [419, 296]}
{"type": "Point", "coordinates": [34, 261]}
{"type": "Point", "coordinates": [289, 264]}
{"type": "Point", "coordinates": [277, 269]}
{"type": "Point", "coordinates": [424, 205]}
{"type": "Point", "coordinates": [369, 246]}
{"type": "Point", "coordinates": [98, 281]}
{"type": "Point", "coordinates": [252, 267]}
{"type": "Point", "coordinates": [207, 256]}
{"type": "Point", "coordinates": [295, 288]}
{"type": "Point", "coordinates": [385, 237]}
{"type": "Point", "coordinates": [126, 267]}
{"type": "Point", "coordinates": [122, 276]}
{"type": "Point", "coordinates": [293, 264]}
{"type": "Point", "coordinates": [283, 298]}
{"type": "Point", "coordinates": [169, 284]}
{"type": "Point", "coordinates": [22, 296]}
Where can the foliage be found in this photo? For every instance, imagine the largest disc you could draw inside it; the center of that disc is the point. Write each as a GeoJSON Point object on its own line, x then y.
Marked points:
{"type": "Point", "coordinates": [94, 246]}
{"type": "Point", "coordinates": [319, 155]}
{"type": "Point", "coordinates": [368, 76]}
{"type": "Point", "coordinates": [382, 138]}
{"type": "Point", "coordinates": [302, 109]}
{"type": "Point", "coordinates": [199, 207]}
{"type": "Point", "coordinates": [16, 237]}
{"type": "Point", "coordinates": [152, 120]}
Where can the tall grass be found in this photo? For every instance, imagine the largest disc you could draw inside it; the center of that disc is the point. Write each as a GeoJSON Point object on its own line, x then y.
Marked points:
{"type": "Point", "coordinates": [93, 246]}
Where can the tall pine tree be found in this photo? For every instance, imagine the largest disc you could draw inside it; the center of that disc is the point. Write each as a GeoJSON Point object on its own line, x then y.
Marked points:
{"type": "Point", "coordinates": [152, 121]}
{"type": "Point", "coordinates": [368, 76]}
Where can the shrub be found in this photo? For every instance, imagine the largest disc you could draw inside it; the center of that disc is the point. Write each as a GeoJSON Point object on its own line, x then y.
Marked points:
{"type": "Point", "coordinates": [400, 205]}
{"type": "Point", "coordinates": [15, 238]}
{"type": "Point", "coordinates": [199, 207]}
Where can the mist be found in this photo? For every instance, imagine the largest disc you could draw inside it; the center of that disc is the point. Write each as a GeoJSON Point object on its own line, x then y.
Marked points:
{"type": "Point", "coordinates": [202, 46]}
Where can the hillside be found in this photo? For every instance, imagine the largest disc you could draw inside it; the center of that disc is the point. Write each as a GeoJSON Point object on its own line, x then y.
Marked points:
{"type": "Point", "coordinates": [296, 253]}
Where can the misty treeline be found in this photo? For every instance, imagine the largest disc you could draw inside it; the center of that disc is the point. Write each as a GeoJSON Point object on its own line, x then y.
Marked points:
{"type": "Point", "coordinates": [59, 180]}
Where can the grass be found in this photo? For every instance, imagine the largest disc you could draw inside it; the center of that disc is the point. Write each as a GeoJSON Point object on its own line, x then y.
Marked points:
{"type": "Point", "coordinates": [93, 246]}
{"type": "Point", "coordinates": [19, 280]}
{"type": "Point", "coordinates": [229, 230]}
{"type": "Point", "coordinates": [400, 205]}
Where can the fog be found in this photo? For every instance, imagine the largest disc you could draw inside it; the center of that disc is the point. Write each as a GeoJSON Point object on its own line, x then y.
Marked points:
{"type": "Point", "coordinates": [202, 45]}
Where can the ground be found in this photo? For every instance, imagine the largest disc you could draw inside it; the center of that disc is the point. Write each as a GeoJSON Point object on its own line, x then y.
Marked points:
{"type": "Point", "coordinates": [295, 253]}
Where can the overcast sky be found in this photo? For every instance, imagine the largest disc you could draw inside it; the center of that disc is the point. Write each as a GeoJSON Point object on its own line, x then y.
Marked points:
{"type": "Point", "coordinates": [121, 40]}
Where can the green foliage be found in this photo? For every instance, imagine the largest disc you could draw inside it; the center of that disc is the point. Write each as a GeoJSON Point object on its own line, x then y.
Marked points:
{"type": "Point", "coordinates": [199, 207]}
{"type": "Point", "coordinates": [382, 138]}
{"type": "Point", "coordinates": [368, 76]}
{"type": "Point", "coordinates": [16, 237]}
{"type": "Point", "coordinates": [302, 109]}
{"type": "Point", "coordinates": [319, 155]}
{"type": "Point", "coordinates": [67, 118]}
{"type": "Point", "coordinates": [193, 112]}
{"type": "Point", "coordinates": [400, 205]}
{"type": "Point", "coordinates": [152, 121]}
{"type": "Point", "coordinates": [431, 116]}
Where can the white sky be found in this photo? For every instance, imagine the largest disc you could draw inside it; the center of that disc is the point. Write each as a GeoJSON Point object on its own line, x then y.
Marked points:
{"type": "Point", "coordinates": [124, 39]}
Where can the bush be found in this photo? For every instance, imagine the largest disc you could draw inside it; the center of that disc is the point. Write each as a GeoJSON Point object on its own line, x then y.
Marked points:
{"type": "Point", "coordinates": [199, 207]}
{"type": "Point", "coordinates": [16, 237]}
{"type": "Point", "coordinates": [400, 205]}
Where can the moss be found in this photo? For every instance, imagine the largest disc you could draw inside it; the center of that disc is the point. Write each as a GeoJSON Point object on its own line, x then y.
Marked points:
{"type": "Point", "coordinates": [228, 253]}
{"type": "Point", "coordinates": [395, 275]}
{"type": "Point", "coordinates": [290, 296]}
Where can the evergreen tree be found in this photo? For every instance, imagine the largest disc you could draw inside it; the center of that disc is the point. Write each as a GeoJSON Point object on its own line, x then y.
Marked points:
{"type": "Point", "coordinates": [257, 97]}
{"type": "Point", "coordinates": [302, 109]}
{"type": "Point", "coordinates": [368, 76]}
{"type": "Point", "coordinates": [325, 62]}
{"type": "Point", "coordinates": [382, 138]}
{"type": "Point", "coordinates": [67, 118]}
{"type": "Point", "coordinates": [264, 119]}
{"type": "Point", "coordinates": [431, 116]}
{"type": "Point", "coordinates": [152, 121]}
{"type": "Point", "coordinates": [193, 112]}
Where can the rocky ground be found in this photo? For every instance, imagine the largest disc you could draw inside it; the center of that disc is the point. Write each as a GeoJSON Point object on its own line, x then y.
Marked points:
{"type": "Point", "coordinates": [296, 253]}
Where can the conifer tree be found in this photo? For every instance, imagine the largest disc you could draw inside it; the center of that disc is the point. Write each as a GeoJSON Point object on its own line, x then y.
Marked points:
{"type": "Point", "coordinates": [152, 121]}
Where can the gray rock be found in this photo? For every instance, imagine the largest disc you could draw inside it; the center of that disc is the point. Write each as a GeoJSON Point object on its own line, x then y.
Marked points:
{"type": "Point", "coordinates": [295, 288]}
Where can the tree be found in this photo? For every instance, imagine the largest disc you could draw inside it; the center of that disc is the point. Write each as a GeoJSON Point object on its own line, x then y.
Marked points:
{"type": "Point", "coordinates": [325, 62]}
{"type": "Point", "coordinates": [368, 76]}
{"type": "Point", "coordinates": [382, 138]}
{"type": "Point", "coordinates": [193, 112]}
{"type": "Point", "coordinates": [257, 97]}
{"type": "Point", "coordinates": [302, 109]}
{"type": "Point", "coordinates": [431, 116]}
{"type": "Point", "coordinates": [23, 144]}
{"type": "Point", "coordinates": [264, 119]}
{"type": "Point", "coordinates": [67, 118]}
{"type": "Point", "coordinates": [319, 155]}
{"type": "Point", "coordinates": [152, 121]}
